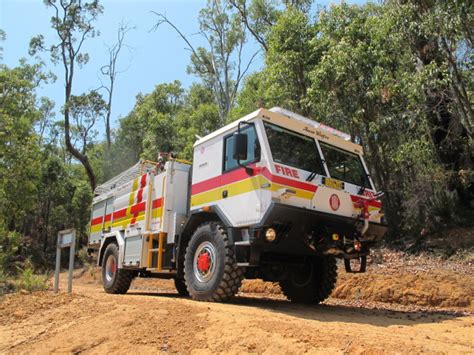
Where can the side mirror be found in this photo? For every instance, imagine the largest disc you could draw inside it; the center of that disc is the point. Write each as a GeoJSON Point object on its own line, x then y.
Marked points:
{"type": "Point", "coordinates": [240, 146]}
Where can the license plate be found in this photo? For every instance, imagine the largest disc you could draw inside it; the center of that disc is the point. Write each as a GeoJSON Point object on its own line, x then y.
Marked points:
{"type": "Point", "coordinates": [333, 183]}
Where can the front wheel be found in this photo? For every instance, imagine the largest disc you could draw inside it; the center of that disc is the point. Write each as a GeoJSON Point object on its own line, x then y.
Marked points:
{"type": "Point", "coordinates": [180, 285]}
{"type": "Point", "coordinates": [210, 268]}
{"type": "Point", "coordinates": [312, 282]}
{"type": "Point", "coordinates": [115, 280]}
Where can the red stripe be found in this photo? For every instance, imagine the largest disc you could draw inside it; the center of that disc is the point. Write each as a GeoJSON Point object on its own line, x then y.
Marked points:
{"type": "Point", "coordinates": [140, 192]}
{"type": "Point", "coordinates": [140, 195]}
{"type": "Point", "coordinates": [373, 203]}
{"type": "Point", "coordinates": [137, 208]}
{"type": "Point", "coordinates": [143, 181]}
{"type": "Point", "coordinates": [156, 203]}
{"type": "Point", "coordinates": [289, 182]}
{"type": "Point", "coordinates": [120, 213]}
{"type": "Point", "coordinates": [96, 220]}
{"type": "Point", "coordinates": [225, 179]}
{"type": "Point", "coordinates": [240, 174]}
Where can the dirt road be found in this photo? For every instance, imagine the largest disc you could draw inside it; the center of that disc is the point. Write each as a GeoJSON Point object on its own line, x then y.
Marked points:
{"type": "Point", "coordinates": [141, 321]}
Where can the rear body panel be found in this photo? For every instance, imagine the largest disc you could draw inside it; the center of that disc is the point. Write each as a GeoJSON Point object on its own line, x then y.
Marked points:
{"type": "Point", "coordinates": [151, 203]}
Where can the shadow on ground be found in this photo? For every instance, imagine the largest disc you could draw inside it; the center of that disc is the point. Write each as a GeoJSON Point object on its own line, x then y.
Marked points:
{"type": "Point", "coordinates": [329, 312]}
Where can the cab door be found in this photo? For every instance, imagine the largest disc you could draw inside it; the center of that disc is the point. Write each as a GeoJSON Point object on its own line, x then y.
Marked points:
{"type": "Point", "coordinates": [240, 191]}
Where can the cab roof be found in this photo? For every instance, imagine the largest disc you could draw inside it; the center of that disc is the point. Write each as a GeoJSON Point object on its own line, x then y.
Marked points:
{"type": "Point", "coordinates": [294, 122]}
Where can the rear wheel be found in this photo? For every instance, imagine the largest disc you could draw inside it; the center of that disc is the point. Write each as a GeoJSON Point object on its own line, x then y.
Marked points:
{"type": "Point", "coordinates": [115, 280]}
{"type": "Point", "coordinates": [210, 268]}
{"type": "Point", "coordinates": [313, 282]}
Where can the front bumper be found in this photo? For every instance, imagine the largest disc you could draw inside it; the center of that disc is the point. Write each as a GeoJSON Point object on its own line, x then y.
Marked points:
{"type": "Point", "coordinates": [303, 231]}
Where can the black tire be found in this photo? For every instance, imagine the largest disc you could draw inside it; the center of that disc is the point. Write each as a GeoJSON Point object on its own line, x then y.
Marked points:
{"type": "Point", "coordinates": [223, 278]}
{"type": "Point", "coordinates": [180, 285]}
{"type": "Point", "coordinates": [312, 283]}
{"type": "Point", "coordinates": [117, 282]}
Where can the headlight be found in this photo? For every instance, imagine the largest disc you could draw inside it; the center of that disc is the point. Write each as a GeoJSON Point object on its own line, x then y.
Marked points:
{"type": "Point", "coordinates": [270, 235]}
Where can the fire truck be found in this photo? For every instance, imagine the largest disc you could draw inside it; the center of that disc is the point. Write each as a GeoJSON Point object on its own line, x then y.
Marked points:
{"type": "Point", "coordinates": [273, 195]}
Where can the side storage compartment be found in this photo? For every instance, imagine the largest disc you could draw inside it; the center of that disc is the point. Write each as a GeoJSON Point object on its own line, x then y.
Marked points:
{"type": "Point", "coordinates": [170, 201]}
{"type": "Point", "coordinates": [97, 223]}
{"type": "Point", "coordinates": [133, 248]}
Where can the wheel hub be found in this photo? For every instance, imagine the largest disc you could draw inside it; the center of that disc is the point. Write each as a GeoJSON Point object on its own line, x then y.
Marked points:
{"type": "Point", "coordinates": [205, 262]}
{"type": "Point", "coordinates": [110, 268]}
{"type": "Point", "coordinates": [303, 275]}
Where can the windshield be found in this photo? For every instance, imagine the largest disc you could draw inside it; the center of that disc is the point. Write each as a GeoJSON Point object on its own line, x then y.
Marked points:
{"type": "Point", "coordinates": [345, 166]}
{"type": "Point", "coordinates": [293, 149]}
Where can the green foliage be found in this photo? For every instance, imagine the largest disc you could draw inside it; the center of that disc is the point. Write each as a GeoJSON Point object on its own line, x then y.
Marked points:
{"type": "Point", "coordinates": [165, 120]}
{"type": "Point", "coordinates": [220, 65]}
{"type": "Point", "coordinates": [19, 148]}
{"type": "Point", "coordinates": [361, 69]}
{"type": "Point", "coordinates": [288, 60]}
{"type": "Point", "coordinates": [73, 23]}
{"type": "Point", "coordinates": [31, 282]}
{"type": "Point", "coordinates": [85, 111]}
{"type": "Point", "coordinates": [2, 38]}
{"type": "Point", "coordinates": [10, 243]}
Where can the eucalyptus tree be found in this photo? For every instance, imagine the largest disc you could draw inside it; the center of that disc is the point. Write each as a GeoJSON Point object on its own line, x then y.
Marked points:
{"type": "Point", "coordinates": [221, 64]}
{"type": "Point", "coordinates": [110, 71]}
{"type": "Point", "coordinates": [259, 16]}
{"type": "Point", "coordinates": [73, 23]}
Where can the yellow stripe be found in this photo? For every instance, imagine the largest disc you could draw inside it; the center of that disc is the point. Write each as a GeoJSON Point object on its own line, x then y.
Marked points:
{"type": "Point", "coordinates": [243, 186]}
{"type": "Point", "coordinates": [299, 192]}
{"type": "Point", "coordinates": [371, 209]}
{"type": "Point", "coordinates": [156, 213]}
{"type": "Point", "coordinates": [131, 201]}
{"type": "Point", "coordinates": [131, 198]}
{"type": "Point", "coordinates": [234, 189]}
{"type": "Point", "coordinates": [124, 221]}
{"type": "Point", "coordinates": [96, 228]}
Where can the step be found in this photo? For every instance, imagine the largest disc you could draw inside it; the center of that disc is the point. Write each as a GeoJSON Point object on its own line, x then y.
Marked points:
{"type": "Point", "coordinates": [155, 250]}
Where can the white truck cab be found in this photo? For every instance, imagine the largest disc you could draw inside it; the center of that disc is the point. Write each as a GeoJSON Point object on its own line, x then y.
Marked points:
{"type": "Point", "coordinates": [273, 195]}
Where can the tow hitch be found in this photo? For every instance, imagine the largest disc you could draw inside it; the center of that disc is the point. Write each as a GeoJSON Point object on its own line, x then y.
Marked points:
{"type": "Point", "coordinates": [362, 265]}
{"type": "Point", "coordinates": [363, 204]}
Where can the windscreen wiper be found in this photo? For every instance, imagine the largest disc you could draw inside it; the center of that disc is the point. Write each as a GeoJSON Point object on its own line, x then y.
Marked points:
{"type": "Point", "coordinates": [311, 176]}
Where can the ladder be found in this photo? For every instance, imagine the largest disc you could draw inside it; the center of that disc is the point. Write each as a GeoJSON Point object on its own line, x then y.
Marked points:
{"type": "Point", "coordinates": [159, 237]}
{"type": "Point", "coordinates": [155, 239]}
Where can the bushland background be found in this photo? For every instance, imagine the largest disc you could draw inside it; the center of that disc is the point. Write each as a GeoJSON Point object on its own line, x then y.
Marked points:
{"type": "Point", "coordinates": [397, 75]}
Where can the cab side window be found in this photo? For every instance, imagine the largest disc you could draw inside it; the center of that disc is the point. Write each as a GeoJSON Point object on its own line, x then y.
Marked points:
{"type": "Point", "coordinates": [253, 149]}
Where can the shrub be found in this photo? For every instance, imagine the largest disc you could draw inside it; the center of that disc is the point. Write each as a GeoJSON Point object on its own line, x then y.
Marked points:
{"type": "Point", "coordinates": [10, 243]}
{"type": "Point", "coordinates": [84, 257]}
{"type": "Point", "coordinates": [31, 282]}
{"type": "Point", "coordinates": [6, 284]}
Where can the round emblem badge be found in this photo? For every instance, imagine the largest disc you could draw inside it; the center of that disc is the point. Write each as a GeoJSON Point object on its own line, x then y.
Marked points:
{"type": "Point", "coordinates": [334, 202]}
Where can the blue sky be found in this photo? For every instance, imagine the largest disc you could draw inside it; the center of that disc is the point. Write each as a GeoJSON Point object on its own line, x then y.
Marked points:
{"type": "Point", "coordinates": [154, 57]}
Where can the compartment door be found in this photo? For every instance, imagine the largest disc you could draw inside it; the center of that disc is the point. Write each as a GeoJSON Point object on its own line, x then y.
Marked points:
{"type": "Point", "coordinates": [97, 222]}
